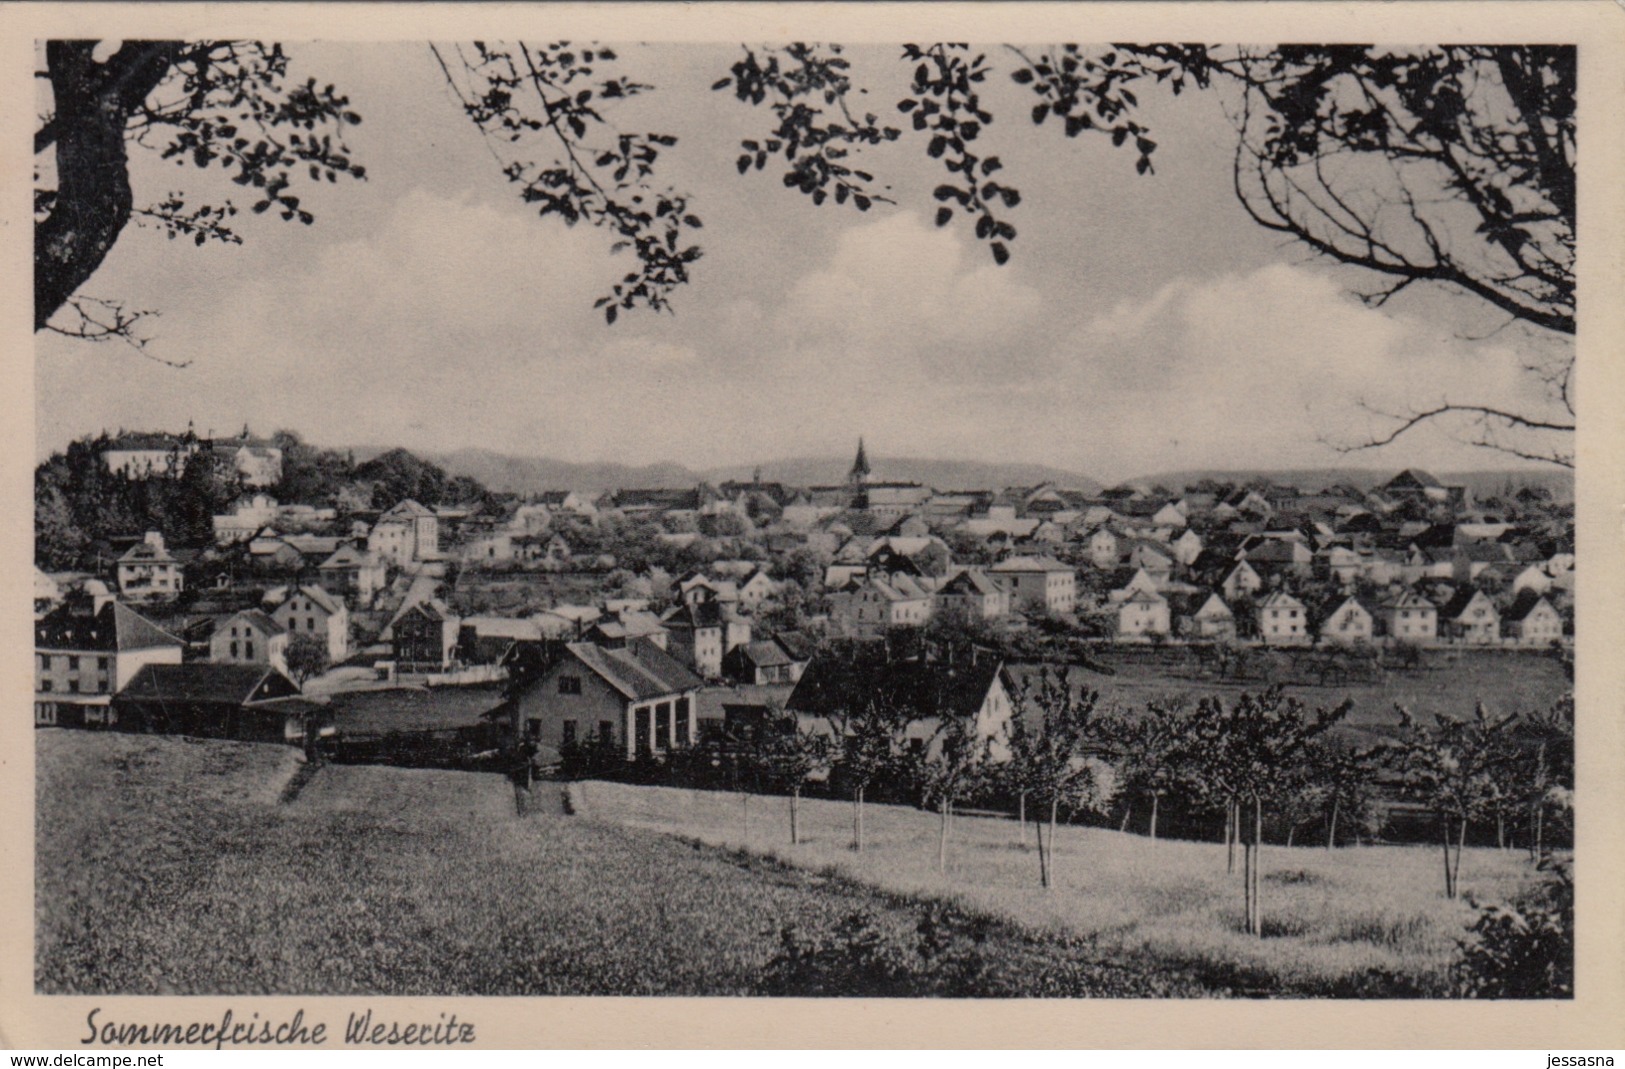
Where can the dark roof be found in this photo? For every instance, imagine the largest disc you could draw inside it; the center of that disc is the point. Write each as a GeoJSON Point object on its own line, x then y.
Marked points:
{"type": "Point", "coordinates": [116, 628]}
{"type": "Point", "coordinates": [1523, 605]}
{"type": "Point", "coordinates": [638, 671]}
{"type": "Point", "coordinates": [234, 684]}
{"type": "Point", "coordinates": [412, 708]}
{"type": "Point", "coordinates": [796, 644]}
{"type": "Point", "coordinates": [1458, 604]}
{"type": "Point", "coordinates": [832, 684]}
{"type": "Point", "coordinates": [763, 654]}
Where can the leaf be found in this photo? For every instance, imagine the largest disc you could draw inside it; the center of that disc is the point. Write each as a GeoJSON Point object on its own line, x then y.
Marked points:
{"type": "Point", "coordinates": [944, 214]}
{"type": "Point", "coordinates": [1021, 76]}
{"type": "Point", "coordinates": [1000, 254]}
{"type": "Point", "coordinates": [1040, 113]}
{"type": "Point", "coordinates": [610, 314]}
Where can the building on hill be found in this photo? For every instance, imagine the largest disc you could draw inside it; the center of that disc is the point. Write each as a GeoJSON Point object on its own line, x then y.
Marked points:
{"type": "Point", "coordinates": [1411, 618]}
{"type": "Point", "coordinates": [250, 637]}
{"type": "Point", "coordinates": [1347, 621]}
{"type": "Point", "coordinates": [636, 699]}
{"type": "Point", "coordinates": [701, 633]}
{"type": "Point", "coordinates": [149, 572]}
{"type": "Point", "coordinates": [425, 637]}
{"type": "Point", "coordinates": [1283, 620]}
{"type": "Point", "coordinates": [85, 651]}
{"type": "Point", "coordinates": [872, 605]}
{"type": "Point", "coordinates": [762, 663]}
{"type": "Point", "coordinates": [246, 518]}
{"type": "Point", "coordinates": [1212, 622]}
{"type": "Point", "coordinates": [1531, 620]}
{"type": "Point", "coordinates": [405, 534]}
{"type": "Point", "coordinates": [1038, 584]}
{"type": "Point", "coordinates": [834, 688]}
{"type": "Point", "coordinates": [353, 573]}
{"type": "Point", "coordinates": [1414, 484]}
{"type": "Point", "coordinates": [1142, 615]}
{"type": "Point", "coordinates": [253, 703]}
{"type": "Point", "coordinates": [310, 610]}
{"type": "Point", "coordinates": [972, 595]}
{"type": "Point", "coordinates": [625, 626]}
{"type": "Point", "coordinates": [1470, 618]}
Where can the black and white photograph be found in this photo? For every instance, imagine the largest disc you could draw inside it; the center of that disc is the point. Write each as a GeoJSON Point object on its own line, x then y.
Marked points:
{"type": "Point", "coordinates": [612, 510]}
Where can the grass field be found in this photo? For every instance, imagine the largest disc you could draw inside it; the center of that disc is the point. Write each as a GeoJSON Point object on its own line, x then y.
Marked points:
{"type": "Point", "coordinates": [1355, 921]}
{"type": "Point", "coordinates": [174, 866]}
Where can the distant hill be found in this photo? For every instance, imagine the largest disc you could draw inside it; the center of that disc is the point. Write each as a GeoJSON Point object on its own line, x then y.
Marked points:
{"type": "Point", "coordinates": [941, 474]}
{"type": "Point", "coordinates": [1479, 483]}
{"type": "Point", "coordinates": [503, 472]}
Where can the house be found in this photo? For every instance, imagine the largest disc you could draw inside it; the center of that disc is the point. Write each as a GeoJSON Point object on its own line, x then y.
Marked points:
{"type": "Point", "coordinates": [972, 595]}
{"type": "Point", "coordinates": [1347, 621]}
{"type": "Point", "coordinates": [1411, 618]}
{"type": "Point", "coordinates": [567, 621]}
{"type": "Point", "coordinates": [256, 462]}
{"type": "Point", "coordinates": [1104, 548]}
{"type": "Point", "coordinates": [1156, 559]}
{"type": "Point", "coordinates": [1142, 615]}
{"type": "Point", "coordinates": [1531, 620]}
{"type": "Point", "coordinates": [929, 692]}
{"type": "Point", "coordinates": [1187, 547]}
{"type": "Point", "coordinates": [425, 637]}
{"type": "Point", "coordinates": [1040, 584]}
{"type": "Point", "coordinates": [875, 603]}
{"type": "Point", "coordinates": [148, 572]}
{"type": "Point", "coordinates": [495, 547]}
{"type": "Point", "coordinates": [925, 556]}
{"type": "Point", "coordinates": [310, 610]}
{"type": "Point", "coordinates": [47, 593]}
{"type": "Point", "coordinates": [1213, 622]}
{"type": "Point", "coordinates": [1414, 484]}
{"type": "Point", "coordinates": [697, 587]}
{"type": "Point", "coordinates": [1241, 581]}
{"type": "Point", "coordinates": [756, 588]}
{"type": "Point", "coordinates": [702, 632]}
{"type": "Point", "coordinates": [763, 662]}
{"type": "Point", "coordinates": [254, 703]}
{"type": "Point", "coordinates": [629, 625]}
{"type": "Point", "coordinates": [487, 640]}
{"type": "Point", "coordinates": [353, 573]}
{"type": "Point", "coordinates": [1283, 620]}
{"type": "Point", "coordinates": [405, 534]}
{"type": "Point", "coordinates": [85, 651]}
{"type": "Point", "coordinates": [1470, 618]}
{"type": "Point", "coordinates": [250, 637]}
{"type": "Point", "coordinates": [637, 699]}
{"type": "Point", "coordinates": [143, 456]}
{"type": "Point", "coordinates": [246, 519]}
{"type": "Point", "coordinates": [573, 502]}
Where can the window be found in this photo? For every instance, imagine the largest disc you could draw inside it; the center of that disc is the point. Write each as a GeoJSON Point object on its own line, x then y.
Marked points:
{"type": "Point", "coordinates": [533, 728]}
{"type": "Point", "coordinates": [569, 684]}
{"type": "Point", "coordinates": [606, 732]}
{"type": "Point", "coordinates": [234, 645]}
{"type": "Point", "coordinates": [248, 651]}
{"type": "Point", "coordinates": [568, 733]}
{"type": "Point", "coordinates": [73, 664]}
{"type": "Point", "coordinates": [45, 686]}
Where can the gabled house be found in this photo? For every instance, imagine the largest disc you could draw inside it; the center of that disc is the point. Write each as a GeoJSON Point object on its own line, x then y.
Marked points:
{"type": "Point", "coordinates": [1347, 621]}
{"type": "Point", "coordinates": [1142, 615]}
{"type": "Point", "coordinates": [353, 573]}
{"type": "Point", "coordinates": [1156, 559]}
{"type": "Point", "coordinates": [253, 703]}
{"type": "Point", "coordinates": [1283, 620]}
{"type": "Point", "coordinates": [1241, 581]}
{"type": "Point", "coordinates": [627, 626]}
{"type": "Point", "coordinates": [250, 637]}
{"type": "Point", "coordinates": [701, 632]}
{"type": "Point", "coordinates": [425, 637]}
{"type": "Point", "coordinates": [1104, 548]}
{"type": "Point", "coordinates": [1411, 618]}
{"type": "Point", "coordinates": [632, 700]}
{"type": "Point", "coordinates": [875, 603]}
{"type": "Point", "coordinates": [149, 572]}
{"type": "Point", "coordinates": [1531, 621]}
{"type": "Point", "coordinates": [972, 595]}
{"type": "Point", "coordinates": [1533, 578]}
{"type": "Point", "coordinates": [1212, 622]}
{"type": "Point", "coordinates": [85, 651]}
{"type": "Point", "coordinates": [1187, 547]}
{"type": "Point", "coordinates": [756, 588]}
{"type": "Point", "coordinates": [310, 610]}
{"type": "Point", "coordinates": [1471, 618]}
{"type": "Point", "coordinates": [405, 534]}
{"type": "Point", "coordinates": [762, 663]}
{"type": "Point", "coordinates": [977, 692]}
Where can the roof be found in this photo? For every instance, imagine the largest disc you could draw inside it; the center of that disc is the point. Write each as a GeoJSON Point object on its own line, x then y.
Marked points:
{"type": "Point", "coordinates": [1280, 599]}
{"type": "Point", "coordinates": [146, 552]}
{"type": "Point", "coordinates": [405, 510]}
{"type": "Point", "coordinates": [1525, 603]}
{"type": "Point", "coordinates": [797, 644]}
{"type": "Point", "coordinates": [502, 627]}
{"type": "Point", "coordinates": [832, 684]}
{"type": "Point", "coordinates": [117, 628]}
{"type": "Point", "coordinates": [235, 684]}
{"type": "Point", "coordinates": [971, 581]}
{"type": "Point", "coordinates": [764, 654]}
{"type": "Point", "coordinates": [1413, 475]}
{"type": "Point", "coordinates": [638, 671]}
{"type": "Point", "coordinates": [1030, 564]}
{"type": "Point", "coordinates": [324, 601]}
{"type": "Point", "coordinates": [1457, 605]}
{"type": "Point", "coordinates": [348, 556]}
{"type": "Point", "coordinates": [257, 619]}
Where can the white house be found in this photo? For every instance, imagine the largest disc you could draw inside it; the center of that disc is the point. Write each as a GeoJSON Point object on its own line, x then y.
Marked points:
{"type": "Point", "coordinates": [1348, 622]}
{"type": "Point", "coordinates": [1042, 584]}
{"type": "Point", "coordinates": [147, 571]}
{"type": "Point", "coordinates": [405, 534]}
{"type": "Point", "coordinates": [250, 637]}
{"type": "Point", "coordinates": [1531, 621]}
{"type": "Point", "coordinates": [1411, 618]}
{"type": "Point", "coordinates": [1142, 615]}
{"type": "Point", "coordinates": [1283, 620]}
{"type": "Point", "coordinates": [310, 610]}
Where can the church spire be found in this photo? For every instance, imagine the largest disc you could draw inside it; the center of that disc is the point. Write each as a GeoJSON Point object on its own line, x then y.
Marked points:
{"type": "Point", "coordinates": [860, 466]}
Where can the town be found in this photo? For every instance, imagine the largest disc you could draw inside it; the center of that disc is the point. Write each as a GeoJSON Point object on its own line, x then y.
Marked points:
{"type": "Point", "coordinates": [688, 606]}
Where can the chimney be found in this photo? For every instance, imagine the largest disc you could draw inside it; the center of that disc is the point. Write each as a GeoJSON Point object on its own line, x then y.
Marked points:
{"type": "Point", "coordinates": [154, 539]}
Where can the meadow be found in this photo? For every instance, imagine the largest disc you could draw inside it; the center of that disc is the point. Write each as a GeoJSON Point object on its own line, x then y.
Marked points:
{"type": "Point", "coordinates": [1356, 921]}
{"type": "Point", "coordinates": [167, 865]}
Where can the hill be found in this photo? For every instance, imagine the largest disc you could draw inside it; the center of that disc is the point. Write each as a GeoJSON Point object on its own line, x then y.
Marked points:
{"type": "Point", "coordinates": [1480, 483]}
{"type": "Point", "coordinates": [514, 474]}
{"type": "Point", "coordinates": [942, 474]}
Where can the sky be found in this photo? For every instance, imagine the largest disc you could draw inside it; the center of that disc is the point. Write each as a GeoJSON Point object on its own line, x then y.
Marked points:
{"type": "Point", "coordinates": [1143, 323]}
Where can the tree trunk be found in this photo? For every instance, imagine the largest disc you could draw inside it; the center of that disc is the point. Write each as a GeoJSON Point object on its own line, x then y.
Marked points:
{"type": "Point", "coordinates": [1053, 804]}
{"type": "Point", "coordinates": [1500, 832]}
{"type": "Point", "coordinates": [795, 817]}
{"type": "Point", "coordinates": [1230, 832]}
{"type": "Point", "coordinates": [1043, 855]}
{"type": "Point", "coordinates": [1247, 887]}
{"type": "Point", "coordinates": [1291, 833]}
{"type": "Point", "coordinates": [1449, 885]}
{"type": "Point", "coordinates": [1153, 816]}
{"type": "Point", "coordinates": [942, 838]}
{"type": "Point", "coordinates": [1331, 827]}
{"type": "Point", "coordinates": [1455, 875]}
{"type": "Point", "coordinates": [1021, 816]}
{"type": "Point", "coordinates": [1128, 811]}
{"type": "Point", "coordinates": [745, 818]}
{"type": "Point", "coordinates": [857, 820]}
{"type": "Point", "coordinates": [1258, 842]}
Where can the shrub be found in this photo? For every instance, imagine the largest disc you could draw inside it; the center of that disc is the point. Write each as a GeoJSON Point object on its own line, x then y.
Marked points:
{"type": "Point", "coordinates": [1525, 948]}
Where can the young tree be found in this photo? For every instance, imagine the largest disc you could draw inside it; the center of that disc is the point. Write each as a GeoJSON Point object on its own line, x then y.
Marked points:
{"type": "Point", "coordinates": [1152, 755]}
{"type": "Point", "coordinates": [871, 744]}
{"type": "Point", "coordinates": [1058, 763]}
{"type": "Point", "coordinates": [949, 768]}
{"type": "Point", "coordinates": [1451, 766]}
{"type": "Point", "coordinates": [1343, 779]}
{"type": "Point", "coordinates": [1545, 769]}
{"type": "Point", "coordinates": [307, 656]}
{"type": "Point", "coordinates": [792, 756]}
{"type": "Point", "coordinates": [1252, 751]}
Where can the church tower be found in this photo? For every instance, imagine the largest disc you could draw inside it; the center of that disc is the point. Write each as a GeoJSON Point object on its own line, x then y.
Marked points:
{"type": "Point", "coordinates": [859, 475]}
